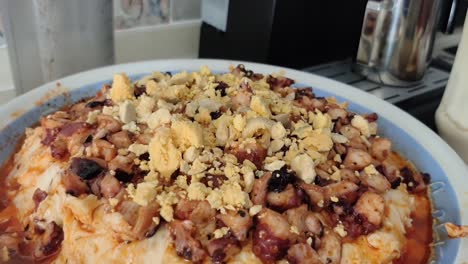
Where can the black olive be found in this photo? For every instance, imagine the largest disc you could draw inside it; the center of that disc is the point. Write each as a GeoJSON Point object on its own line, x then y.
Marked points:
{"type": "Point", "coordinates": [408, 178]}
{"type": "Point", "coordinates": [139, 90]}
{"type": "Point", "coordinates": [407, 174]}
{"type": "Point", "coordinates": [284, 148]}
{"type": "Point", "coordinates": [249, 74]}
{"type": "Point", "coordinates": [89, 139]}
{"type": "Point", "coordinates": [222, 88]}
{"type": "Point", "coordinates": [380, 169]}
{"type": "Point", "coordinates": [242, 213]}
{"type": "Point", "coordinates": [426, 178]}
{"type": "Point", "coordinates": [215, 115]}
{"type": "Point", "coordinates": [279, 180]}
{"type": "Point", "coordinates": [85, 168]}
{"type": "Point", "coordinates": [95, 104]}
{"type": "Point", "coordinates": [321, 181]}
{"type": "Point", "coordinates": [144, 156]}
{"type": "Point", "coordinates": [186, 253]}
{"type": "Point", "coordinates": [123, 176]}
{"type": "Point", "coordinates": [396, 183]}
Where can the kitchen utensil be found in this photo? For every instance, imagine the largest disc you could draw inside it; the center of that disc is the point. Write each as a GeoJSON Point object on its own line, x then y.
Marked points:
{"type": "Point", "coordinates": [396, 41]}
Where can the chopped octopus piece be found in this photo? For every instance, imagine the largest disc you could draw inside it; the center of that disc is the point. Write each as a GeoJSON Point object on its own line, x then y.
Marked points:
{"type": "Point", "coordinates": [371, 206]}
{"type": "Point", "coordinates": [339, 189]}
{"type": "Point", "coordinates": [357, 159]}
{"type": "Point", "coordinates": [376, 181]}
{"type": "Point", "coordinates": [74, 185]}
{"type": "Point", "coordinates": [302, 254]}
{"type": "Point", "coordinates": [110, 186]}
{"type": "Point", "coordinates": [50, 242]}
{"type": "Point", "coordinates": [198, 212]}
{"type": "Point", "coordinates": [242, 98]}
{"type": "Point", "coordinates": [260, 189]}
{"type": "Point", "coordinates": [288, 198]}
{"type": "Point", "coordinates": [380, 148]}
{"type": "Point", "coordinates": [186, 245]}
{"type": "Point", "coordinates": [239, 222]}
{"type": "Point", "coordinates": [330, 248]}
{"type": "Point", "coordinates": [39, 196]}
{"type": "Point", "coordinates": [315, 193]}
{"type": "Point", "coordinates": [304, 220]}
{"type": "Point", "coordinates": [271, 238]}
{"type": "Point", "coordinates": [222, 249]}
{"type": "Point", "coordinates": [252, 151]}
{"type": "Point", "coordinates": [145, 226]}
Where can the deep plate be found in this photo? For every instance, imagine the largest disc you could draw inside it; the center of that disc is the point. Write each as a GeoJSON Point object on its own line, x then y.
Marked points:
{"type": "Point", "coordinates": [410, 137]}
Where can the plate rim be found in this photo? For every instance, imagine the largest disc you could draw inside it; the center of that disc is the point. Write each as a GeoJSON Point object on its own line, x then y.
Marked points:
{"type": "Point", "coordinates": [449, 161]}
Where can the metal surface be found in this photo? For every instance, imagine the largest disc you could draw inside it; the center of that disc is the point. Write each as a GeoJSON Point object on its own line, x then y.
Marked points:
{"type": "Point", "coordinates": [434, 79]}
{"type": "Point", "coordinates": [450, 25]}
{"type": "Point", "coordinates": [396, 40]}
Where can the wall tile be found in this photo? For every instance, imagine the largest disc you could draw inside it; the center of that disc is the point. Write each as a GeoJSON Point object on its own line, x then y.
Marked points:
{"type": "Point", "coordinates": [2, 36]}
{"type": "Point", "coordinates": [135, 13]}
{"type": "Point", "coordinates": [186, 9]}
{"type": "Point", "coordinates": [215, 13]}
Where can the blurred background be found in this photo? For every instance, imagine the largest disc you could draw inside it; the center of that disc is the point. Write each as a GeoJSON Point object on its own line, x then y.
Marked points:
{"type": "Point", "coordinates": [328, 38]}
{"type": "Point", "coordinates": [144, 30]}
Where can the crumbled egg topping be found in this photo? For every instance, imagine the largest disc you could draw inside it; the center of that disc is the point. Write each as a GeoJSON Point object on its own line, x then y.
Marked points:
{"type": "Point", "coordinates": [122, 88]}
{"type": "Point", "coordinates": [362, 124]}
{"type": "Point", "coordinates": [340, 230]}
{"type": "Point", "coordinates": [191, 124]}
{"type": "Point", "coordinates": [219, 233]}
{"type": "Point", "coordinates": [371, 170]}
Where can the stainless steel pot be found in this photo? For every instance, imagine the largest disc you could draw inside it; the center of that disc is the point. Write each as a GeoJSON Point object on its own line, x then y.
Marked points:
{"type": "Point", "coordinates": [396, 41]}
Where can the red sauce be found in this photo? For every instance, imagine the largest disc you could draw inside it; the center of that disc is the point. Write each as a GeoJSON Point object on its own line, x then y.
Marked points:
{"type": "Point", "coordinates": [420, 236]}
{"type": "Point", "coordinates": [418, 249]}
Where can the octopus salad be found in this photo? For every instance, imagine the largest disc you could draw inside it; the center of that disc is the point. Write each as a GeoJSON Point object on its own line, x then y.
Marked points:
{"type": "Point", "coordinates": [198, 167]}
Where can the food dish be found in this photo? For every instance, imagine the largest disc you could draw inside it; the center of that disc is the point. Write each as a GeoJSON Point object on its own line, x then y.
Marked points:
{"type": "Point", "coordinates": [184, 141]}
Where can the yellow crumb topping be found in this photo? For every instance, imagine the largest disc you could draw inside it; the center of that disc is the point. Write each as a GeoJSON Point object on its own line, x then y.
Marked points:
{"type": "Point", "coordinates": [122, 88]}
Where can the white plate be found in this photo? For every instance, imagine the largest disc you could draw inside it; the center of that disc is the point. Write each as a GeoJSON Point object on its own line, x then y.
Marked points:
{"type": "Point", "coordinates": [413, 139]}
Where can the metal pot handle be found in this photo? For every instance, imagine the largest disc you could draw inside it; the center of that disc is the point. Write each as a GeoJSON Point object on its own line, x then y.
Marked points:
{"type": "Point", "coordinates": [449, 16]}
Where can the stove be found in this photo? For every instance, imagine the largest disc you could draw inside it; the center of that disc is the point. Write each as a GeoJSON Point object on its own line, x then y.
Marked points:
{"type": "Point", "coordinates": [420, 100]}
